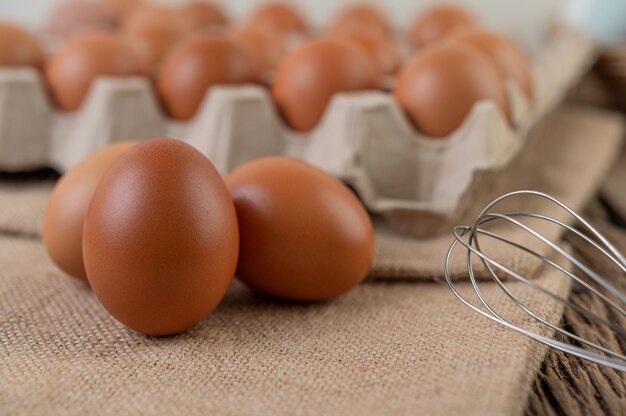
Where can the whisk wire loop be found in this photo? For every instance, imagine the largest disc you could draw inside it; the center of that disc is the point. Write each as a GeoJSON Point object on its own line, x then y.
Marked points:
{"type": "Point", "coordinates": [468, 238]}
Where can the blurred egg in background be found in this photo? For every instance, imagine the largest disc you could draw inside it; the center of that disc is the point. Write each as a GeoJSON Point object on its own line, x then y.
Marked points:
{"type": "Point", "coordinates": [525, 21]}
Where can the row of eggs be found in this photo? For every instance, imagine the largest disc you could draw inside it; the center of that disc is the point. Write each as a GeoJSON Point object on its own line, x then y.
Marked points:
{"type": "Point", "coordinates": [159, 235]}
{"type": "Point", "coordinates": [458, 63]}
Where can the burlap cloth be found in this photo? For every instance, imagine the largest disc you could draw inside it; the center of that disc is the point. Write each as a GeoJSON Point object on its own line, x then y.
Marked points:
{"type": "Point", "coordinates": [388, 347]}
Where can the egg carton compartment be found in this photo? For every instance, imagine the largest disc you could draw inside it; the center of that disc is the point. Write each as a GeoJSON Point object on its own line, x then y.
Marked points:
{"type": "Point", "coordinates": [34, 134]}
{"type": "Point", "coordinates": [419, 184]}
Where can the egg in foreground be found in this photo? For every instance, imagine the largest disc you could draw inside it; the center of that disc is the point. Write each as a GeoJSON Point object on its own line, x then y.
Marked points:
{"type": "Point", "coordinates": [160, 238]}
{"type": "Point", "coordinates": [67, 206]}
{"type": "Point", "coordinates": [304, 235]}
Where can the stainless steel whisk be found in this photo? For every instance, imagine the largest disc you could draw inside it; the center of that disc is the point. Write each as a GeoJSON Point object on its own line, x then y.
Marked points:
{"type": "Point", "coordinates": [468, 237]}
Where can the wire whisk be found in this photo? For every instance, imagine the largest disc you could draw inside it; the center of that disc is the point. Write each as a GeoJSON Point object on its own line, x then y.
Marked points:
{"type": "Point", "coordinates": [584, 278]}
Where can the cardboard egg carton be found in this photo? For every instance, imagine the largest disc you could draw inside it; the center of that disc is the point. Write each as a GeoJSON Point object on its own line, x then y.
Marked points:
{"type": "Point", "coordinates": [419, 184]}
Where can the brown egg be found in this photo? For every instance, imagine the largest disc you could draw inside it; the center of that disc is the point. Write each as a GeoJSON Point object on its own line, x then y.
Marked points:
{"type": "Point", "coordinates": [73, 69]}
{"type": "Point", "coordinates": [438, 87]}
{"type": "Point", "coordinates": [279, 16]}
{"type": "Point", "coordinates": [264, 45]}
{"type": "Point", "coordinates": [304, 235]}
{"type": "Point", "coordinates": [308, 77]}
{"type": "Point", "coordinates": [151, 44]}
{"type": "Point", "coordinates": [504, 54]}
{"type": "Point", "coordinates": [196, 64]}
{"type": "Point", "coordinates": [160, 238]}
{"type": "Point", "coordinates": [157, 15]}
{"type": "Point", "coordinates": [76, 16]}
{"type": "Point", "coordinates": [19, 47]}
{"type": "Point", "coordinates": [121, 8]}
{"type": "Point", "coordinates": [360, 17]}
{"type": "Point", "coordinates": [386, 55]}
{"type": "Point", "coordinates": [201, 14]}
{"type": "Point", "coordinates": [67, 206]}
{"type": "Point", "coordinates": [436, 23]}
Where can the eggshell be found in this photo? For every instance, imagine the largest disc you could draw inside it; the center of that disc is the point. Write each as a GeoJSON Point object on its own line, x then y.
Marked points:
{"type": "Point", "coordinates": [121, 8]}
{"type": "Point", "coordinates": [76, 16]}
{"type": "Point", "coordinates": [280, 16]}
{"type": "Point", "coordinates": [438, 87]}
{"type": "Point", "coordinates": [151, 44]}
{"type": "Point", "coordinates": [201, 14]}
{"type": "Point", "coordinates": [384, 53]}
{"type": "Point", "coordinates": [264, 45]}
{"type": "Point", "coordinates": [304, 235]}
{"type": "Point", "coordinates": [67, 205]}
{"type": "Point", "coordinates": [72, 70]}
{"type": "Point", "coordinates": [436, 23]}
{"type": "Point", "coordinates": [19, 47]}
{"type": "Point", "coordinates": [362, 16]}
{"type": "Point", "coordinates": [196, 64]}
{"type": "Point", "coordinates": [308, 77]}
{"type": "Point", "coordinates": [157, 15]}
{"type": "Point", "coordinates": [160, 238]}
{"type": "Point", "coordinates": [507, 57]}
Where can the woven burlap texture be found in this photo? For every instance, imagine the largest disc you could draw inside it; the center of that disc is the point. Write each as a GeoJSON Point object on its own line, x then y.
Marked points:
{"type": "Point", "coordinates": [567, 155]}
{"type": "Point", "coordinates": [387, 347]}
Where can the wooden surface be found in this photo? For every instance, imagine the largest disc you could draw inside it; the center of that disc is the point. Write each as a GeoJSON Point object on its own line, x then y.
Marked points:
{"type": "Point", "coordinates": [567, 385]}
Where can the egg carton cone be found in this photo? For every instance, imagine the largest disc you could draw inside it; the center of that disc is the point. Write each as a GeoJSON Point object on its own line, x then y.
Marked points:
{"type": "Point", "coordinates": [34, 134]}
{"type": "Point", "coordinates": [25, 120]}
{"type": "Point", "coordinates": [419, 184]}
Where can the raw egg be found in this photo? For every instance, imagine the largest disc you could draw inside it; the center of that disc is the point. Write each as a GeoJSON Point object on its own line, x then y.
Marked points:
{"type": "Point", "coordinates": [160, 238]}
{"type": "Point", "coordinates": [436, 23]}
{"type": "Point", "coordinates": [264, 46]}
{"type": "Point", "coordinates": [157, 15]}
{"type": "Point", "coordinates": [201, 14]}
{"type": "Point", "coordinates": [362, 17]}
{"type": "Point", "coordinates": [308, 77]}
{"type": "Point", "coordinates": [72, 17]}
{"type": "Point", "coordinates": [280, 16]}
{"type": "Point", "coordinates": [19, 47]}
{"type": "Point", "coordinates": [504, 54]}
{"type": "Point", "coordinates": [304, 235]}
{"type": "Point", "coordinates": [196, 64]}
{"type": "Point", "coordinates": [151, 43]}
{"type": "Point", "coordinates": [73, 69]}
{"type": "Point", "coordinates": [384, 53]}
{"type": "Point", "coordinates": [67, 206]}
{"type": "Point", "coordinates": [438, 87]}
{"type": "Point", "coordinates": [121, 8]}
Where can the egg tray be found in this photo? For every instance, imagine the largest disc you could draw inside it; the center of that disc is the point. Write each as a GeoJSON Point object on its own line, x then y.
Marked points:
{"type": "Point", "coordinates": [418, 184]}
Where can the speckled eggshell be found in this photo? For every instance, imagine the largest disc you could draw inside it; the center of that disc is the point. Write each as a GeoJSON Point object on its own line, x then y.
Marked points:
{"type": "Point", "coordinates": [279, 16]}
{"type": "Point", "coordinates": [507, 57]}
{"type": "Point", "coordinates": [160, 238]}
{"type": "Point", "coordinates": [72, 70]}
{"type": "Point", "coordinates": [436, 23]}
{"type": "Point", "coordinates": [438, 87]}
{"type": "Point", "coordinates": [18, 47]}
{"type": "Point", "coordinates": [194, 65]}
{"type": "Point", "coordinates": [304, 235]}
{"type": "Point", "coordinates": [307, 78]}
{"type": "Point", "coordinates": [67, 206]}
